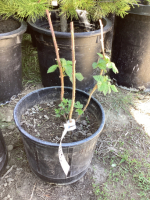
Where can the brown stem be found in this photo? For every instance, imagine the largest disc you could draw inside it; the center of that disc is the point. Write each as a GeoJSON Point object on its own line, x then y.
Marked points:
{"type": "Point", "coordinates": [89, 99]}
{"type": "Point", "coordinates": [102, 38]}
{"type": "Point", "coordinates": [73, 70]}
{"type": "Point", "coordinates": [57, 53]}
{"type": "Point", "coordinates": [102, 42]}
{"type": "Point", "coordinates": [95, 87]}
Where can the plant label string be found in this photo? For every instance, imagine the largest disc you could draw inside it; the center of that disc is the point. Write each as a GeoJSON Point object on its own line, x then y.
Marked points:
{"type": "Point", "coordinates": [69, 126]}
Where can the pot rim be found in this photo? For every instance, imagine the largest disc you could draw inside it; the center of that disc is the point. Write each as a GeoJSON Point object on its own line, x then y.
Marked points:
{"type": "Point", "coordinates": [42, 142]}
{"type": "Point", "coordinates": [14, 33]}
{"type": "Point", "coordinates": [106, 28]}
{"type": "Point", "coordinates": [140, 9]}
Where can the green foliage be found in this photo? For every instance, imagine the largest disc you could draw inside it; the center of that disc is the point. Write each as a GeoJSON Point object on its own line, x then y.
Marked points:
{"type": "Point", "coordinates": [33, 9]}
{"type": "Point", "coordinates": [103, 82]}
{"type": "Point", "coordinates": [96, 9]}
{"type": "Point", "coordinates": [104, 63]}
{"type": "Point", "coordinates": [52, 68]}
{"type": "Point", "coordinates": [30, 9]}
{"type": "Point", "coordinates": [67, 69]}
{"type": "Point", "coordinates": [64, 108]}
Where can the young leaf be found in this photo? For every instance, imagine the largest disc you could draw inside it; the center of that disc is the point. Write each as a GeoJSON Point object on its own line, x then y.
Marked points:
{"type": "Point", "coordinates": [102, 64]}
{"type": "Point", "coordinates": [69, 62]}
{"type": "Point", "coordinates": [79, 76]}
{"type": "Point", "coordinates": [103, 87]}
{"type": "Point", "coordinates": [112, 66]}
{"type": "Point", "coordinates": [100, 55]}
{"type": "Point", "coordinates": [65, 100]}
{"type": "Point", "coordinates": [79, 111]}
{"type": "Point", "coordinates": [98, 78]}
{"type": "Point", "coordinates": [68, 70]}
{"type": "Point", "coordinates": [78, 105]}
{"type": "Point", "coordinates": [70, 101]}
{"type": "Point", "coordinates": [52, 68]}
{"type": "Point", "coordinates": [113, 87]}
{"type": "Point", "coordinates": [94, 65]}
{"type": "Point", "coordinates": [63, 62]}
{"type": "Point", "coordinates": [107, 59]}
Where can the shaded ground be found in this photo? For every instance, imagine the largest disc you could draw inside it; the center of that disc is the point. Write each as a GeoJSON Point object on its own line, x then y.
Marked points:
{"type": "Point", "coordinates": [120, 167]}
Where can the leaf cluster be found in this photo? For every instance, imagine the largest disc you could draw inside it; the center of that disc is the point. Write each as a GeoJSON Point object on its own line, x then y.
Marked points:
{"type": "Point", "coordinates": [96, 9]}
{"type": "Point", "coordinates": [104, 63]}
{"type": "Point", "coordinates": [103, 82]}
{"type": "Point", "coordinates": [33, 9]}
{"type": "Point", "coordinates": [67, 69]}
{"type": "Point", "coordinates": [20, 9]}
{"type": "Point", "coordinates": [64, 108]}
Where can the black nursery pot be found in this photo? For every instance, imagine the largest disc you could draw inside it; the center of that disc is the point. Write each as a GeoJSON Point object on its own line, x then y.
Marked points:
{"type": "Point", "coordinates": [87, 45]}
{"type": "Point", "coordinates": [10, 63]}
{"type": "Point", "coordinates": [3, 153]}
{"type": "Point", "coordinates": [42, 155]}
{"type": "Point", "coordinates": [131, 48]}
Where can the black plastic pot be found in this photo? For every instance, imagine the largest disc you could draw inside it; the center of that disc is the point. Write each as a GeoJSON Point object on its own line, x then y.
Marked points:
{"type": "Point", "coordinates": [3, 153]}
{"type": "Point", "coordinates": [109, 35]}
{"type": "Point", "coordinates": [43, 155]}
{"type": "Point", "coordinates": [131, 48]}
{"type": "Point", "coordinates": [87, 45]}
{"type": "Point", "coordinates": [10, 63]}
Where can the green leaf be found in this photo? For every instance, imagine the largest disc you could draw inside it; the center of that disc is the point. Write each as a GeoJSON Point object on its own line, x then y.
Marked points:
{"type": "Point", "coordinates": [78, 105]}
{"type": "Point", "coordinates": [69, 62]}
{"type": "Point", "coordinates": [61, 105]}
{"type": "Point", "coordinates": [113, 87]}
{"type": "Point", "coordinates": [56, 111]}
{"type": "Point", "coordinates": [112, 66]}
{"type": "Point", "coordinates": [107, 59]}
{"type": "Point", "coordinates": [70, 101]}
{"type": "Point", "coordinates": [65, 100]}
{"type": "Point", "coordinates": [52, 68]}
{"type": "Point", "coordinates": [79, 76]}
{"type": "Point", "coordinates": [102, 64]}
{"type": "Point", "coordinates": [103, 87]}
{"type": "Point", "coordinates": [100, 55]}
{"type": "Point", "coordinates": [70, 79]}
{"type": "Point", "coordinates": [68, 70]}
{"type": "Point", "coordinates": [63, 62]}
{"type": "Point", "coordinates": [79, 111]}
{"type": "Point", "coordinates": [94, 65]}
{"type": "Point", "coordinates": [98, 78]}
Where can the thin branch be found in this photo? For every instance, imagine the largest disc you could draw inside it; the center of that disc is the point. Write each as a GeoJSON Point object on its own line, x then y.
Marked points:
{"type": "Point", "coordinates": [7, 172]}
{"type": "Point", "coordinates": [102, 38]}
{"type": "Point", "coordinates": [73, 70]}
{"type": "Point", "coordinates": [96, 86]}
{"type": "Point", "coordinates": [57, 53]}
{"type": "Point", "coordinates": [89, 99]}
{"type": "Point", "coordinates": [32, 192]}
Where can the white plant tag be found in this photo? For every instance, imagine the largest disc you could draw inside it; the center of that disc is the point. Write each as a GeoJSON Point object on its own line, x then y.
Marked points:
{"type": "Point", "coordinates": [69, 126]}
{"type": "Point", "coordinates": [54, 3]}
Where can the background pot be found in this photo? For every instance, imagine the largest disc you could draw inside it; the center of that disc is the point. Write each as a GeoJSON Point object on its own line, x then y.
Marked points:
{"type": "Point", "coordinates": [10, 63]}
{"type": "Point", "coordinates": [43, 155]}
{"type": "Point", "coordinates": [3, 153]}
{"type": "Point", "coordinates": [131, 48]}
{"type": "Point", "coordinates": [87, 45]}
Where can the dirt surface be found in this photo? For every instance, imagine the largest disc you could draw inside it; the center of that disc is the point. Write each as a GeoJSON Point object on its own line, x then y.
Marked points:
{"type": "Point", "coordinates": [8, 25]}
{"type": "Point", "coordinates": [41, 122]}
{"type": "Point", "coordinates": [120, 167]}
